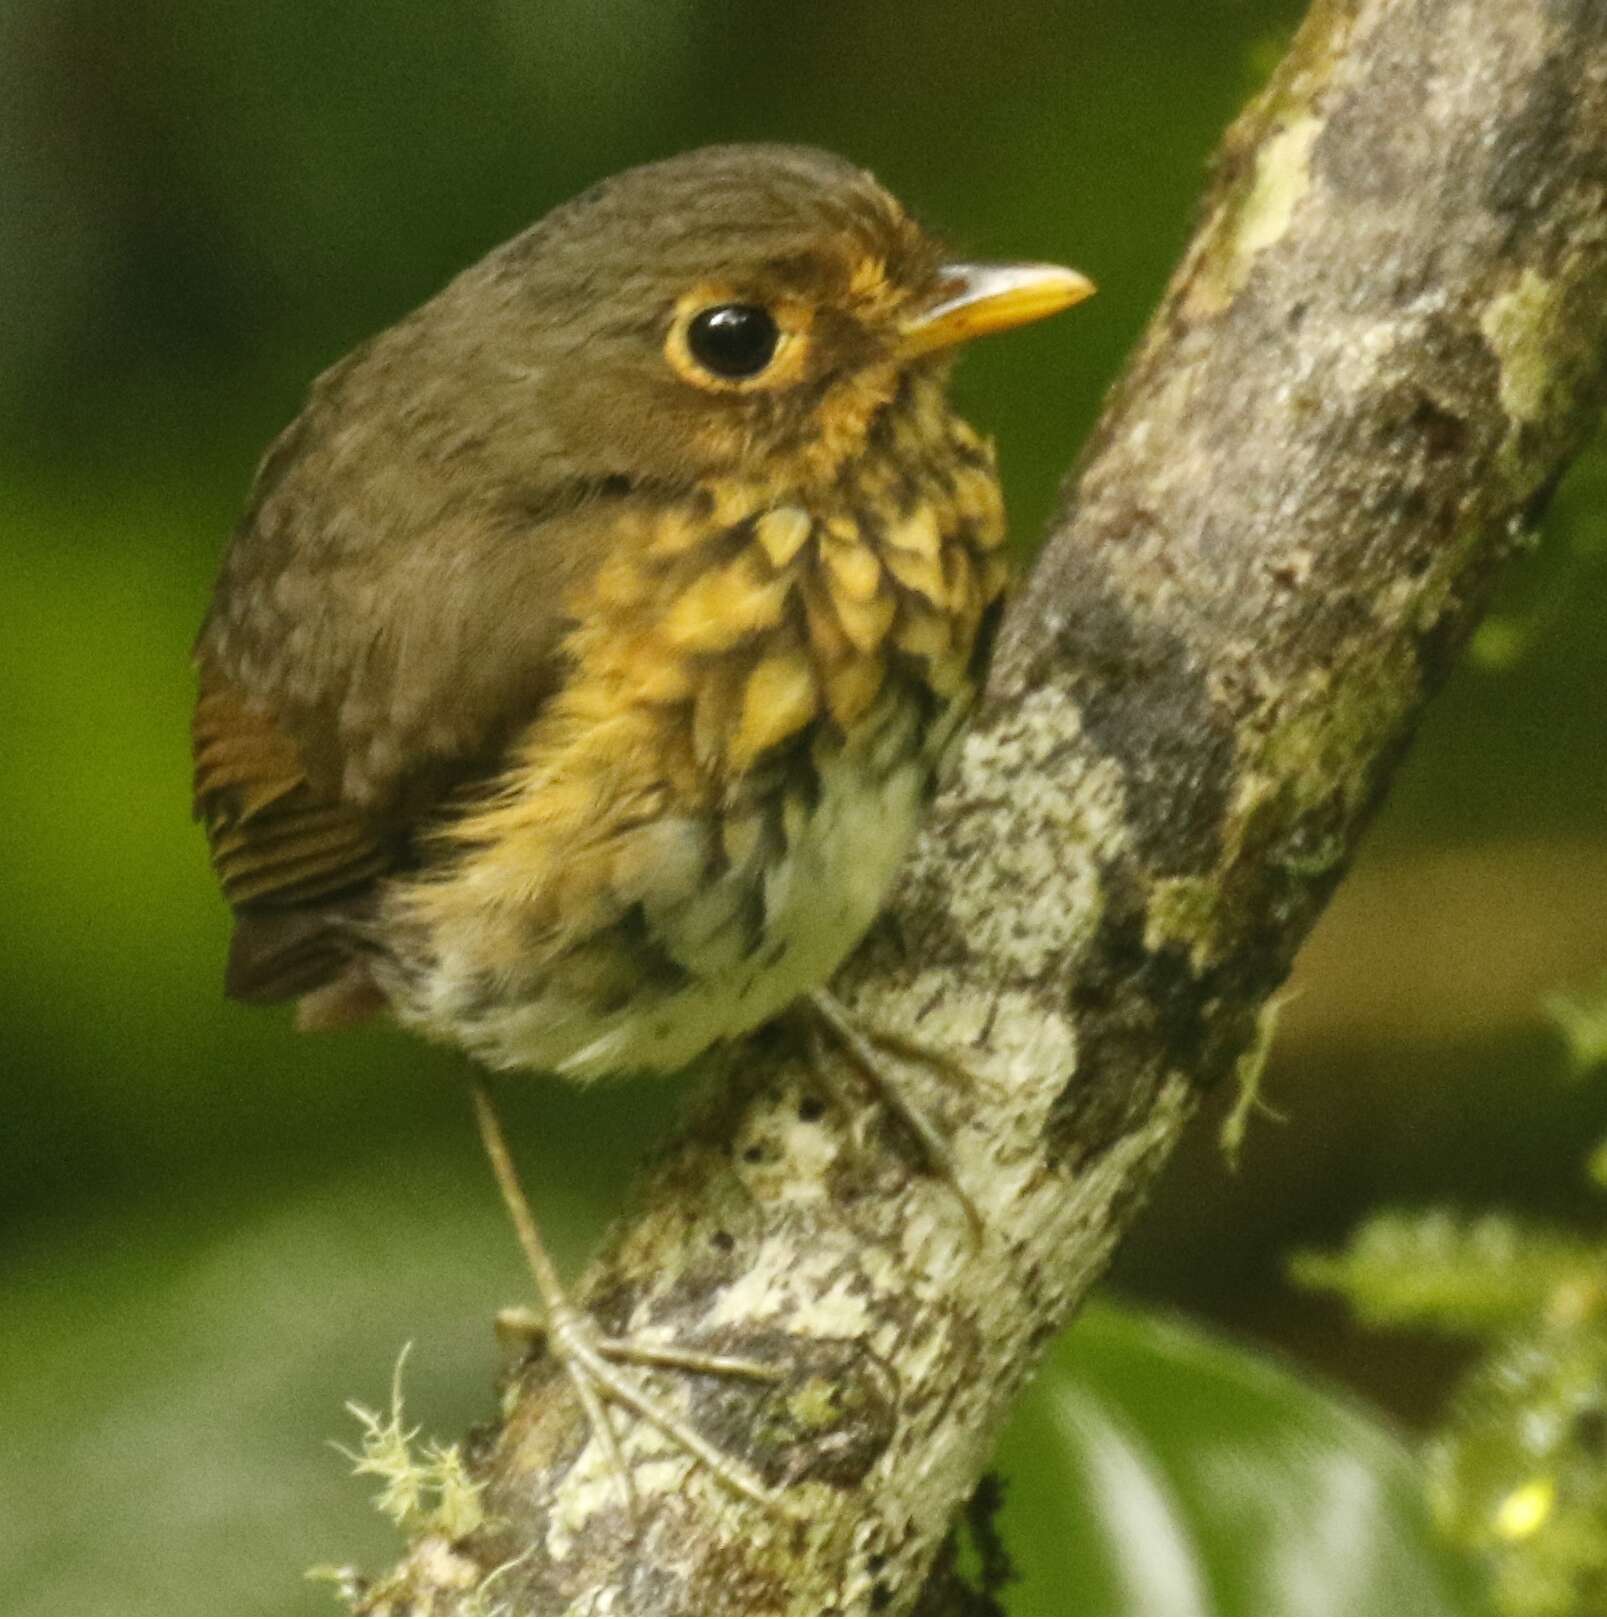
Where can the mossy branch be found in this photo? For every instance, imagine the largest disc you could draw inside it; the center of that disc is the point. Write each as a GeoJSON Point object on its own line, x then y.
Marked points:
{"type": "Point", "coordinates": [1386, 341]}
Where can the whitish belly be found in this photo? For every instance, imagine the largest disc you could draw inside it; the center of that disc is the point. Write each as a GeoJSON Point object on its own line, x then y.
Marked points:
{"type": "Point", "coordinates": [819, 899]}
{"type": "Point", "coordinates": [744, 943]}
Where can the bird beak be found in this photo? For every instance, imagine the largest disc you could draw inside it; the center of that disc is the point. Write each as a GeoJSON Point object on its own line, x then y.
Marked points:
{"type": "Point", "coordinates": [975, 299]}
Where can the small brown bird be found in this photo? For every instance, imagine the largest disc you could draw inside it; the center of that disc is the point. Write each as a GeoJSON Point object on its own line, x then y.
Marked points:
{"type": "Point", "coordinates": [592, 640]}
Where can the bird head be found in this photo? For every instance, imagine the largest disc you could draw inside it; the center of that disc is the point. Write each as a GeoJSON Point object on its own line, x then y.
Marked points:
{"type": "Point", "coordinates": [737, 311]}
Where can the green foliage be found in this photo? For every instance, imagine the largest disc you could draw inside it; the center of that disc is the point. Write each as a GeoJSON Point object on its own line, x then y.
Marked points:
{"type": "Point", "coordinates": [1153, 1468]}
{"type": "Point", "coordinates": [1581, 1019]}
{"type": "Point", "coordinates": [1476, 1276]}
{"type": "Point", "coordinates": [1518, 1468]}
{"type": "Point", "coordinates": [1519, 1471]}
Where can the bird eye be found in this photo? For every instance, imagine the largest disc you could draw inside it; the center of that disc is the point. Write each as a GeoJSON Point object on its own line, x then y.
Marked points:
{"type": "Point", "coordinates": [733, 340]}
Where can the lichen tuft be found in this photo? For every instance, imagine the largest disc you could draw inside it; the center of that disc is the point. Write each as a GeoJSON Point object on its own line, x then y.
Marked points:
{"type": "Point", "coordinates": [423, 1491]}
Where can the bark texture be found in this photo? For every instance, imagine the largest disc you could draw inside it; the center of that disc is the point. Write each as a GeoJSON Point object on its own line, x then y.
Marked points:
{"type": "Point", "coordinates": [1386, 341]}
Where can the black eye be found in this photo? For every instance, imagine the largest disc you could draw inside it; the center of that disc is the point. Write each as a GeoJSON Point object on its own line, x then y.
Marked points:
{"type": "Point", "coordinates": [733, 340]}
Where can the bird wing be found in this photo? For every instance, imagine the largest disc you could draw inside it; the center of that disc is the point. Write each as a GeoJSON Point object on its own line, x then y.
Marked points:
{"type": "Point", "coordinates": [285, 853]}
{"type": "Point", "coordinates": [348, 699]}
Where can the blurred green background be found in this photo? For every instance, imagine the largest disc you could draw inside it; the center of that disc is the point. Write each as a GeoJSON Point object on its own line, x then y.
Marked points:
{"type": "Point", "coordinates": [214, 1231]}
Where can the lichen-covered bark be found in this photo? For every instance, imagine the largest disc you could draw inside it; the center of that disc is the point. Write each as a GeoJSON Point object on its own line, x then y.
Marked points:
{"type": "Point", "coordinates": [1385, 343]}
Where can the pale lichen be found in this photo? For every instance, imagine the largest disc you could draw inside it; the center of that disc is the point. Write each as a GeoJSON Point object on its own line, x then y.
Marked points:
{"type": "Point", "coordinates": [1282, 178]}
{"type": "Point", "coordinates": [1247, 1075]}
{"type": "Point", "coordinates": [1185, 912]}
{"type": "Point", "coordinates": [1045, 921]}
{"type": "Point", "coordinates": [1522, 327]}
{"type": "Point", "coordinates": [1255, 218]}
{"type": "Point", "coordinates": [1330, 725]}
{"type": "Point", "coordinates": [426, 1490]}
{"type": "Point", "coordinates": [1303, 768]}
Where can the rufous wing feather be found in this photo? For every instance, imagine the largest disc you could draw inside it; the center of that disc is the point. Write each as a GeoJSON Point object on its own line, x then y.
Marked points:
{"type": "Point", "coordinates": [286, 857]}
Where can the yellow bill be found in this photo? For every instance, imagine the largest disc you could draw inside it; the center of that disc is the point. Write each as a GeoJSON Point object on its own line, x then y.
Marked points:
{"type": "Point", "coordinates": [976, 299]}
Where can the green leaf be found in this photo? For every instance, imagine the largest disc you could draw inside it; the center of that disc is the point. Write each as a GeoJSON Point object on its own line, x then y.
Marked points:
{"type": "Point", "coordinates": [1581, 1020]}
{"type": "Point", "coordinates": [1519, 1473]}
{"type": "Point", "coordinates": [1475, 1276]}
{"type": "Point", "coordinates": [1155, 1469]}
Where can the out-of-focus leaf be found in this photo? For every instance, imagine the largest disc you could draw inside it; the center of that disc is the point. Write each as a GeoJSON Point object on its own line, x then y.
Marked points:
{"type": "Point", "coordinates": [1154, 1469]}
{"type": "Point", "coordinates": [1473, 1276]}
{"type": "Point", "coordinates": [1518, 1469]}
{"type": "Point", "coordinates": [1581, 1019]}
{"type": "Point", "coordinates": [1519, 1474]}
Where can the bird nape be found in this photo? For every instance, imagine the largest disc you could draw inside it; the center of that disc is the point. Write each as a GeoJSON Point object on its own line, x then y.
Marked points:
{"type": "Point", "coordinates": [594, 637]}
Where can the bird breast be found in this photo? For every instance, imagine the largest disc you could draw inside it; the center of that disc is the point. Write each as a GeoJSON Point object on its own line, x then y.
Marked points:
{"type": "Point", "coordinates": [707, 818]}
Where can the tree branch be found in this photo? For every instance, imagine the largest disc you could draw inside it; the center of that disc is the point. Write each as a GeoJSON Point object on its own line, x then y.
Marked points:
{"type": "Point", "coordinates": [1386, 341]}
